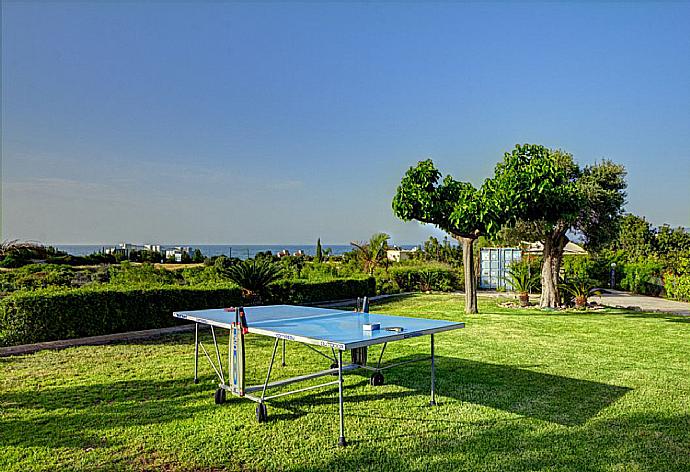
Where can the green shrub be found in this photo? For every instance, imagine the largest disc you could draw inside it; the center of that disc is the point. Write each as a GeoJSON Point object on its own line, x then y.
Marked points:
{"type": "Point", "coordinates": [297, 292]}
{"type": "Point", "coordinates": [51, 314]}
{"type": "Point", "coordinates": [677, 286]}
{"type": "Point", "coordinates": [410, 278]}
{"type": "Point", "coordinates": [47, 315]}
{"type": "Point", "coordinates": [128, 274]}
{"type": "Point", "coordinates": [35, 276]}
{"type": "Point", "coordinates": [643, 277]}
{"type": "Point", "coordinates": [206, 276]}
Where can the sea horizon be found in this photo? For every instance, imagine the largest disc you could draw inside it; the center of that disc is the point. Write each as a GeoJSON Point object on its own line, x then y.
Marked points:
{"type": "Point", "coordinates": [241, 251]}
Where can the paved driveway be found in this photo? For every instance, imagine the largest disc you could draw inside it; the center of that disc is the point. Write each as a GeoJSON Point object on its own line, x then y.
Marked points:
{"type": "Point", "coordinates": [615, 298]}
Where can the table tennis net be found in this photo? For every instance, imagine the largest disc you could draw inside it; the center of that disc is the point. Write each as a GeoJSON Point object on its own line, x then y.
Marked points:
{"type": "Point", "coordinates": [257, 316]}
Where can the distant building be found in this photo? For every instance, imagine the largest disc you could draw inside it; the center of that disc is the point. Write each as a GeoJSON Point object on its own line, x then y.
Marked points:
{"type": "Point", "coordinates": [176, 253]}
{"type": "Point", "coordinates": [571, 248]}
{"type": "Point", "coordinates": [396, 254]}
{"type": "Point", "coordinates": [126, 249]}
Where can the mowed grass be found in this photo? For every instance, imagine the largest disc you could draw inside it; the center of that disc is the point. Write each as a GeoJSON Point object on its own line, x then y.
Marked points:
{"type": "Point", "coordinates": [518, 390]}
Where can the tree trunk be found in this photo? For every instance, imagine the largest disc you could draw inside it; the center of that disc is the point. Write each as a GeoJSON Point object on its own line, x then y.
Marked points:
{"type": "Point", "coordinates": [554, 243]}
{"type": "Point", "coordinates": [550, 297]}
{"type": "Point", "coordinates": [470, 278]}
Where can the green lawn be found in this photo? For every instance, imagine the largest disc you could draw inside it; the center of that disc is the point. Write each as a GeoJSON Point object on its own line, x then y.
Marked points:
{"type": "Point", "coordinates": [518, 390]}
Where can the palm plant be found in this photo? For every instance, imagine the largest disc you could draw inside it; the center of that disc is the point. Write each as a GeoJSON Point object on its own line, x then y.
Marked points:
{"type": "Point", "coordinates": [580, 288]}
{"type": "Point", "coordinates": [427, 280]}
{"type": "Point", "coordinates": [372, 253]}
{"type": "Point", "coordinates": [17, 247]}
{"type": "Point", "coordinates": [254, 277]}
{"type": "Point", "coordinates": [518, 275]}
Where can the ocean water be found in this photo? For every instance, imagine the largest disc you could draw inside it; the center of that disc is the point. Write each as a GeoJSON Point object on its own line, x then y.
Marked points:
{"type": "Point", "coordinates": [241, 251]}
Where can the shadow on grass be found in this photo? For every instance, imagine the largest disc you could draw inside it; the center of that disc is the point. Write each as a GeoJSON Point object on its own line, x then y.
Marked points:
{"type": "Point", "coordinates": [77, 416]}
{"type": "Point", "coordinates": [670, 317]}
{"type": "Point", "coordinates": [634, 441]}
{"type": "Point", "coordinates": [514, 389]}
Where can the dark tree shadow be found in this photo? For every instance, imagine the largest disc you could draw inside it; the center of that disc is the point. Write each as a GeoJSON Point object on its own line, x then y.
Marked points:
{"type": "Point", "coordinates": [640, 441]}
{"type": "Point", "coordinates": [670, 317]}
{"type": "Point", "coordinates": [516, 389]}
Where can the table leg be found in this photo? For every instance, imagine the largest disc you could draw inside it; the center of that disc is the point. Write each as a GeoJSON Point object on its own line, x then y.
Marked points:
{"type": "Point", "coordinates": [341, 440]}
{"type": "Point", "coordinates": [196, 353]}
{"type": "Point", "coordinates": [283, 353]}
{"type": "Point", "coordinates": [433, 374]}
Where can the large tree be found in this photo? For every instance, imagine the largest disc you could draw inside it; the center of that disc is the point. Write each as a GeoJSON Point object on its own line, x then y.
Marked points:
{"type": "Point", "coordinates": [455, 207]}
{"type": "Point", "coordinates": [549, 190]}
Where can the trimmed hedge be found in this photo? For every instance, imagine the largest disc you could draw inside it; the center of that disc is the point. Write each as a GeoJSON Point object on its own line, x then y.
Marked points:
{"type": "Point", "coordinates": [48, 315]}
{"type": "Point", "coordinates": [413, 278]}
{"type": "Point", "coordinates": [299, 292]}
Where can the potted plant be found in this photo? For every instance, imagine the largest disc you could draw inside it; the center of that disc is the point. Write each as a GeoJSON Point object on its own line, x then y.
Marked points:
{"type": "Point", "coordinates": [580, 288]}
{"type": "Point", "coordinates": [518, 275]}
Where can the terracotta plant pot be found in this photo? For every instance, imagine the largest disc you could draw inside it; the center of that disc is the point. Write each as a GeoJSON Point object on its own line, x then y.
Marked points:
{"type": "Point", "coordinates": [580, 301]}
{"type": "Point", "coordinates": [524, 299]}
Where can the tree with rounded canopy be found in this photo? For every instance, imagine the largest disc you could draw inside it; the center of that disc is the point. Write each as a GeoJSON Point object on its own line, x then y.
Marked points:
{"type": "Point", "coordinates": [548, 189]}
{"type": "Point", "coordinates": [455, 207]}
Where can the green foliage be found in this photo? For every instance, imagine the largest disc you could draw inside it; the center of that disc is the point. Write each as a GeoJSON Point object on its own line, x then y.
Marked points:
{"type": "Point", "coordinates": [300, 292]}
{"type": "Point", "coordinates": [534, 183]}
{"type": "Point", "coordinates": [445, 252]}
{"type": "Point", "coordinates": [16, 253]}
{"type": "Point", "coordinates": [548, 191]}
{"type": "Point", "coordinates": [50, 314]}
{"type": "Point", "coordinates": [146, 274]}
{"type": "Point", "coordinates": [254, 276]}
{"type": "Point", "coordinates": [601, 189]}
{"type": "Point", "coordinates": [198, 256]}
{"type": "Point", "coordinates": [643, 277]}
{"type": "Point", "coordinates": [319, 251]}
{"type": "Point", "coordinates": [46, 315]}
{"type": "Point", "coordinates": [372, 253]}
{"type": "Point", "coordinates": [35, 276]}
{"type": "Point", "coordinates": [677, 286]}
{"type": "Point", "coordinates": [635, 237]}
{"type": "Point", "coordinates": [580, 288]}
{"type": "Point", "coordinates": [438, 277]}
{"type": "Point", "coordinates": [292, 266]}
{"type": "Point", "coordinates": [323, 271]}
{"type": "Point", "coordinates": [207, 276]}
{"type": "Point", "coordinates": [455, 207]}
{"type": "Point", "coordinates": [522, 278]}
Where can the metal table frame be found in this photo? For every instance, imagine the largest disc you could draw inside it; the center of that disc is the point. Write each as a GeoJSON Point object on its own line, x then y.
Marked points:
{"type": "Point", "coordinates": [359, 361]}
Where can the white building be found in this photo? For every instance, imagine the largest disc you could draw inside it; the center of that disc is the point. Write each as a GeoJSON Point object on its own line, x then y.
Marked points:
{"type": "Point", "coordinates": [127, 248]}
{"type": "Point", "coordinates": [176, 253]}
{"type": "Point", "coordinates": [397, 254]}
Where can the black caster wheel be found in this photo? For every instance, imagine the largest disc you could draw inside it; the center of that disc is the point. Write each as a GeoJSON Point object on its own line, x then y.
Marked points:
{"type": "Point", "coordinates": [376, 379]}
{"type": "Point", "coordinates": [196, 381]}
{"type": "Point", "coordinates": [220, 396]}
{"type": "Point", "coordinates": [261, 413]}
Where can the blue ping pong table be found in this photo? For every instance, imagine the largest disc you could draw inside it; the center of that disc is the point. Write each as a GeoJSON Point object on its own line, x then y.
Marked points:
{"type": "Point", "coordinates": [334, 330]}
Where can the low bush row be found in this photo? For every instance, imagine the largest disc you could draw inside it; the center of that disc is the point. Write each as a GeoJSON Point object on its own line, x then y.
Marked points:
{"type": "Point", "coordinates": [51, 314]}
{"type": "Point", "coordinates": [424, 278]}
{"type": "Point", "coordinates": [677, 287]}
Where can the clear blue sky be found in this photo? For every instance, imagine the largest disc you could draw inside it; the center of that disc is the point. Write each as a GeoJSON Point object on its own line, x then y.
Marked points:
{"type": "Point", "coordinates": [281, 123]}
